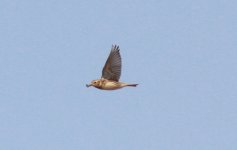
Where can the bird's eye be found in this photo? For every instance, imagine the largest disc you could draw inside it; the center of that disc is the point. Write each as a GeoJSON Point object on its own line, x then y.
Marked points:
{"type": "Point", "coordinates": [94, 81]}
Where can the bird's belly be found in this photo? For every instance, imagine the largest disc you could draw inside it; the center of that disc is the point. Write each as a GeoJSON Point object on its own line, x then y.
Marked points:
{"type": "Point", "coordinates": [111, 86]}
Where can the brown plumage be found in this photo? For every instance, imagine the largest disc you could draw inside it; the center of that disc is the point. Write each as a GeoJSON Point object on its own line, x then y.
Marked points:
{"type": "Point", "coordinates": [111, 73]}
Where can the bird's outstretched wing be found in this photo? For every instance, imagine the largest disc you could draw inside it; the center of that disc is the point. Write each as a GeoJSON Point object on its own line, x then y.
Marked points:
{"type": "Point", "coordinates": [112, 67]}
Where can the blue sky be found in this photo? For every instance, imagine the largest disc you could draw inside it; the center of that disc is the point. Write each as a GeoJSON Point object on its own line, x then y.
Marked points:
{"type": "Point", "coordinates": [182, 53]}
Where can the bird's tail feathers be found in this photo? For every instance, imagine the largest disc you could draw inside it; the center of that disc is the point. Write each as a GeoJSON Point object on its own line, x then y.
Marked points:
{"type": "Point", "coordinates": [133, 85]}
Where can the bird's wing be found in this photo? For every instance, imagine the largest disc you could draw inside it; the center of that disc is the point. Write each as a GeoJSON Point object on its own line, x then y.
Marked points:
{"type": "Point", "coordinates": [112, 67]}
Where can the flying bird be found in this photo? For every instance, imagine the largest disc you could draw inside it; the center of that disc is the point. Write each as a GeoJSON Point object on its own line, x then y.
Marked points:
{"type": "Point", "coordinates": [111, 73]}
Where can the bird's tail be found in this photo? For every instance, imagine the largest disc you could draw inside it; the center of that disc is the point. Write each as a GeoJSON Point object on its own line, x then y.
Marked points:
{"type": "Point", "coordinates": [133, 85]}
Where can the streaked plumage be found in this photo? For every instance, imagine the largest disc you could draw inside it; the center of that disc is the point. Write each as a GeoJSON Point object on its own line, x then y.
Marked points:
{"type": "Point", "coordinates": [111, 73]}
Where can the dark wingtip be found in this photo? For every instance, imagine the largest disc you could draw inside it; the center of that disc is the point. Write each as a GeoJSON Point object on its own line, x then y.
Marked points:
{"type": "Point", "coordinates": [115, 47]}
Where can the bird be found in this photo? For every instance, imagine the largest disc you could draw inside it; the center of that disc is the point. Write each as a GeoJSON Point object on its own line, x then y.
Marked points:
{"type": "Point", "coordinates": [111, 73]}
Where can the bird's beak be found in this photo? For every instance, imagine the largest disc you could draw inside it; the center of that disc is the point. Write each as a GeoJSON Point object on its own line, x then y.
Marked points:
{"type": "Point", "coordinates": [88, 85]}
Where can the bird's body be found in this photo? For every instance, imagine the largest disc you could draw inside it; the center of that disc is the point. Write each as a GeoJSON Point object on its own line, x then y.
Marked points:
{"type": "Point", "coordinates": [105, 84]}
{"type": "Point", "coordinates": [111, 73]}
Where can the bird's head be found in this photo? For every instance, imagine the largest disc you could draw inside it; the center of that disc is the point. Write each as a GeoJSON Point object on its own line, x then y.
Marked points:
{"type": "Point", "coordinates": [95, 83]}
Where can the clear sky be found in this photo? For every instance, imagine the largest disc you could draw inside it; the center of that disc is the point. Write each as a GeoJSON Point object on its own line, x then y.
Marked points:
{"type": "Point", "coordinates": [182, 53]}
